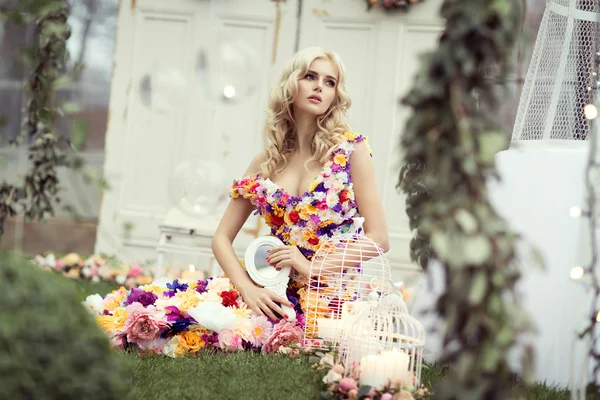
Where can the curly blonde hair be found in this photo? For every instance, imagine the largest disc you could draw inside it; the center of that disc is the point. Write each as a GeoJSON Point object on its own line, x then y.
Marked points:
{"type": "Point", "coordinates": [280, 132]}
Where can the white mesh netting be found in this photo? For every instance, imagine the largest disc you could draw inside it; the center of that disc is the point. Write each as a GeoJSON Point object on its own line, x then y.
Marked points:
{"type": "Point", "coordinates": [562, 75]}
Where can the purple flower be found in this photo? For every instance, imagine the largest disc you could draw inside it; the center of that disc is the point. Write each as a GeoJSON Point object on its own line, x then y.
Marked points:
{"type": "Point", "coordinates": [211, 339]}
{"type": "Point", "coordinates": [173, 313]}
{"type": "Point", "coordinates": [141, 296]}
{"type": "Point", "coordinates": [337, 208]}
{"type": "Point", "coordinates": [201, 288]}
{"type": "Point", "coordinates": [176, 286]}
{"type": "Point", "coordinates": [168, 294]}
{"type": "Point", "coordinates": [178, 326]}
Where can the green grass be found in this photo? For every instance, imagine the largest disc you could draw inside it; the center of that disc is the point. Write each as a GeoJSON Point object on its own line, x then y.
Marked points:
{"type": "Point", "coordinates": [250, 375]}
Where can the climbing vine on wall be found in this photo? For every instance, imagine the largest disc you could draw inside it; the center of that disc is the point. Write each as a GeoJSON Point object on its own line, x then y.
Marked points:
{"type": "Point", "coordinates": [449, 145]}
{"type": "Point", "coordinates": [37, 195]}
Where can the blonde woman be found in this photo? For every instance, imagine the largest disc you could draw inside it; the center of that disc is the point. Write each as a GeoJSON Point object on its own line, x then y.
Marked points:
{"type": "Point", "coordinates": [310, 181]}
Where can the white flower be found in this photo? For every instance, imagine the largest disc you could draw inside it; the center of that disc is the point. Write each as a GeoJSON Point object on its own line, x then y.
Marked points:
{"type": "Point", "coordinates": [244, 327]}
{"type": "Point", "coordinates": [218, 284]}
{"type": "Point", "coordinates": [331, 377]}
{"type": "Point", "coordinates": [213, 316]}
{"type": "Point", "coordinates": [86, 272]}
{"type": "Point", "coordinates": [120, 279]}
{"type": "Point", "coordinates": [331, 200]}
{"type": "Point", "coordinates": [50, 260]}
{"type": "Point", "coordinates": [164, 302]}
{"type": "Point", "coordinates": [342, 177]}
{"type": "Point", "coordinates": [346, 146]}
{"type": "Point", "coordinates": [307, 200]}
{"type": "Point", "coordinates": [94, 302]}
{"type": "Point", "coordinates": [171, 346]}
{"type": "Point", "coordinates": [319, 195]}
{"type": "Point", "coordinates": [327, 171]}
{"type": "Point", "coordinates": [211, 296]}
{"type": "Point", "coordinates": [270, 186]}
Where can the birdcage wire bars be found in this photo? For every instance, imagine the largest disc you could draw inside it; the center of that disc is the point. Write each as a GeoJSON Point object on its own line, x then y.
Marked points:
{"type": "Point", "coordinates": [384, 346]}
{"type": "Point", "coordinates": [345, 269]}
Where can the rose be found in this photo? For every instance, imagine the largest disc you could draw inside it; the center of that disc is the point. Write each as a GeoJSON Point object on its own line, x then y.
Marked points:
{"type": "Point", "coordinates": [193, 340]}
{"type": "Point", "coordinates": [229, 298]}
{"type": "Point", "coordinates": [143, 325]}
{"type": "Point", "coordinates": [284, 334]}
{"type": "Point", "coordinates": [141, 296]}
{"type": "Point", "coordinates": [347, 384]}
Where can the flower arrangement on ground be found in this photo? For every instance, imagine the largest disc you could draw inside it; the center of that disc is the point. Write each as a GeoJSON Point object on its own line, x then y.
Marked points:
{"type": "Point", "coordinates": [96, 268]}
{"type": "Point", "coordinates": [338, 386]}
{"type": "Point", "coordinates": [177, 319]}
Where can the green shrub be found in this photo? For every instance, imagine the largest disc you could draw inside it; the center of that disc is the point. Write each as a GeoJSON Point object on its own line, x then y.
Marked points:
{"type": "Point", "coordinates": [50, 345]}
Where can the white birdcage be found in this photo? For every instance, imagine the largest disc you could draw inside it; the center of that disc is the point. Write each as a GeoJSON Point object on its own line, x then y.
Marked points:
{"type": "Point", "coordinates": [562, 74]}
{"type": "Point", "coordinates": [384, 346]}
{"type": "Point", "coordinates": [345, 269]}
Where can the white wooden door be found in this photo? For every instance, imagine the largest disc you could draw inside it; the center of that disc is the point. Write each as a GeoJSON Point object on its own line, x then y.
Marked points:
{"type": "Point", "coordinates": [144, 146]}
{"type": "Point", "coordinates": [380, 53]}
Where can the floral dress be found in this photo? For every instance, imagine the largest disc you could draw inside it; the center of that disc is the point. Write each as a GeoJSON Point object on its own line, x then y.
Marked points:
{"type": "Point", "coordinates": [309, 220]}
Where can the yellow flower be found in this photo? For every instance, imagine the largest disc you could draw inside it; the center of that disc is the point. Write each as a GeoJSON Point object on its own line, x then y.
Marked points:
{"type": "Point", "coordinates": [307, 211]}
{"type": "Point", "coordinates": [114, 299]}
{"type": "Point", "coordinates": [278, 211]}
{"type": "Point", "coordinates": [192, 340]}
{"type": "Point", "coordinates": [188, 299]}
{"type": "Point", "coordinates": [234, 193]}
{"type": "Point", "coordinates": [157, 290]}
{"type": "Point", "coordinates": [308, 234]}
{"type": "Point", "coordinates": [341, 160]}
{"type": "Point", "coordinates": [242, 312]}
{"type": "Point", "coordinates": [350, 135]}
{"type": "Point", "coordinates": [111, 323]}
{"type": "Point", "coordinates": [313, 185]}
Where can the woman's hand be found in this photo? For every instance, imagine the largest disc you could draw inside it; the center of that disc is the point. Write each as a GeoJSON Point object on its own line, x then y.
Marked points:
{"type": "Point", "coordinates": [263, 301]}
{"type": "Point", "coordinates": [288, 256]}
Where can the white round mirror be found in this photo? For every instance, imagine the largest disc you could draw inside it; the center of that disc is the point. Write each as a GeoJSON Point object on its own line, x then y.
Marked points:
{"type": "Point", "coordinates": [256, 262]}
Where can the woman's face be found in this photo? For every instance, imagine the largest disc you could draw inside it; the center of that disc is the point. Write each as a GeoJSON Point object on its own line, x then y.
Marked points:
{"type": "Point", "coordinates": [316, 89]}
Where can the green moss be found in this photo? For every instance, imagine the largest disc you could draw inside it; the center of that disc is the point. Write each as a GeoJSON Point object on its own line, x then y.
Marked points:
{"type": "Point", "coordinates": [50, 345]}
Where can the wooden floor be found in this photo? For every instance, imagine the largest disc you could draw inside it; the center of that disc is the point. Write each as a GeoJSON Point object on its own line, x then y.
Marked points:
{"type": "Point", "coordinates": [60, 235]}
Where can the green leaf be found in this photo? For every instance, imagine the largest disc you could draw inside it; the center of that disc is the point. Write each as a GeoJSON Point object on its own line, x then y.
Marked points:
{"type": "Point", "coordinates": [477, 249]}
{"type": "Point", "coordinates": [71, 108]}
{"type": "Point", "coordinates": [491, 356]}
{"type": "Point", "coordinates": [440, 244]}
{"type": "Point", "coordinates": [62, 82]}
{"type": "Point", "coordinates": [79, 133]}
{"type": "Point", "coordinates": [363, 390]}
{"type": "Point", "coordinates": [491, 143]}
{"type": "Point", "coordinates": [466, 221]}
{"type": "Point", "coordinates": [478, 288]}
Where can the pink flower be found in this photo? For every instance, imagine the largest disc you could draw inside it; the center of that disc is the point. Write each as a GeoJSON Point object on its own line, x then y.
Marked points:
{"type": "Point", "coordinates": [135, 271]}
{"type": "Point", "coordinates": [347, 384]}
{"type": "Point", "coordinates": [60, 264]}
{"type": "Point", "coordinates": [387, 396]}
{"type": "Point", "coordinates": [339, 368]}
{"type": "Point", "coordinates": [94, 270]}
{"type": "Point", "coordinates": [284, 334]}
{"type": "Point", "coordinates": [143, 325]}
{"type": "Point", "coordinates": [230, 341]}
{"type": "Point", "coordinates": [118, 341]}
{"type": "Point", "coordinates": [261, 330]}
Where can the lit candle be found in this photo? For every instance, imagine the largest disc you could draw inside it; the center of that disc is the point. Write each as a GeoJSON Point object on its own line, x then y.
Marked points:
{"type": "Point", "coordinates": [379, 370]}
{"type": "Point", "coordinates": [192, 275]}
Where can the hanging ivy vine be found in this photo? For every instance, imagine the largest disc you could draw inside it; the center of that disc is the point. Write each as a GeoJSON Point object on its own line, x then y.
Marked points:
{"type": "Point", "coordinates": [37, 195]}
{"type": "Point", "coordinates": [449, 146]}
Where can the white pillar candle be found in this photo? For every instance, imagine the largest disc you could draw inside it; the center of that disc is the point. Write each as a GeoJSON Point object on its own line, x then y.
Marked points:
{"type": "Point", "coordinates": [329, 328]}
{"type": "Point", "coordinates": [379, 370]}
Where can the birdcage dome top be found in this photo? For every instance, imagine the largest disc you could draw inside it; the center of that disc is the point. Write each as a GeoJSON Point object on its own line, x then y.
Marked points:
{"type": "Point", "coordinates": [555, 92]}
{"type": "Point", "coordinates": [389, 324]}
